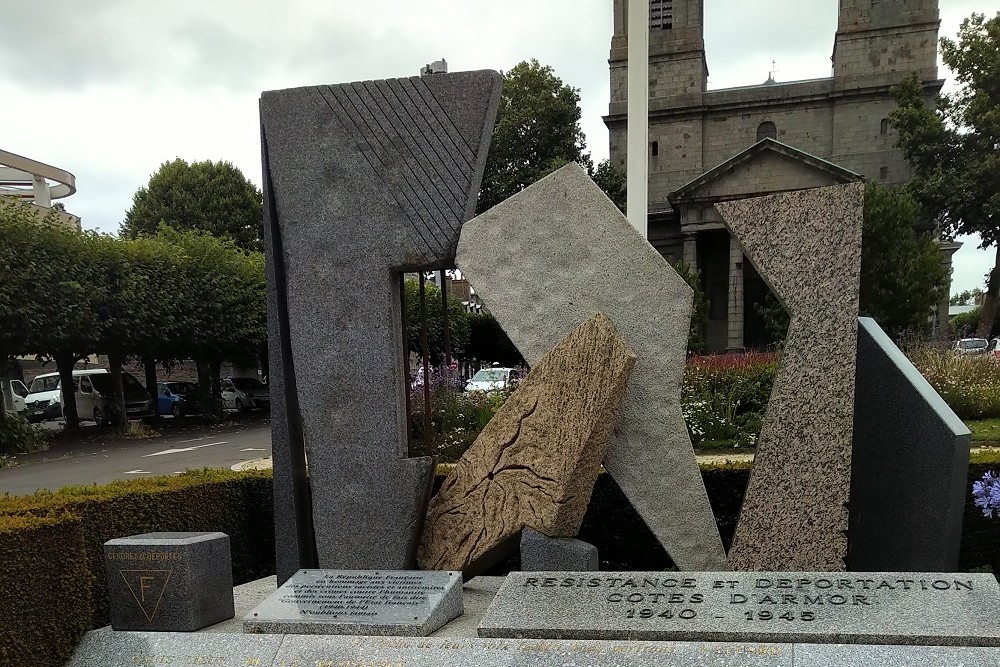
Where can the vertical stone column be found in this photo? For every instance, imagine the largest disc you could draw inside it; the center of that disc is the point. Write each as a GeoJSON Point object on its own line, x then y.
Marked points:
{"type": "Point", "coordinates": [691, 249]}
{"type": "Point", "coordinates": [735, 314]}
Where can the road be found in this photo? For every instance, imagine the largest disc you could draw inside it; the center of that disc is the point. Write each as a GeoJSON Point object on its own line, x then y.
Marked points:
{"type": "Point", "coordinates": [103, 462]}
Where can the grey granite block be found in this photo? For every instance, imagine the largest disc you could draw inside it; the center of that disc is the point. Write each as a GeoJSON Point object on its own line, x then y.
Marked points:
{"type": "Point", "coordinates": [556, 554]}
{"type": "Point", "coordinates": [819, 655]}
{"type": "Point", "coordinates": [362, 181]}
{"type": "Point", "coordinates": [809, 607]}
{"type": "Point", "coordinates": [548, 259]}
{"type": "Point", "coordinates": [535, 463]}
{"type": "Point", "coordinates": [807, 246]}
{"type": "Point", "coordinates": [359, 602]}
{"type": "Point", "coordinates": [169, 581]}
{"type": "Point", "coordinates": [450, 652]}
{"type": "Point", "coordinates": [910, 465]}
{"type": "Point", "coordinates": [101, 648]}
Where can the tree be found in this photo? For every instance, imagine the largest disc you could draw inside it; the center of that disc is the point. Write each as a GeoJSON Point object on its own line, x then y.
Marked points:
{"type": "Point", "coordinates": [213, 197]}
{"type": "Point", "coordinates": [901, 274]}
{"type": "Point", "coordinates": [458, 323]}
{"type": "Point", "coordinates": [537, 131]}
{"type": "Point", "coordinates": [489, 343]}
{"type": "Point", "coordinates": [612, 180]}
{"type": "Point", "coordinates": [966, 298]}
{"type": "Point", "coordinates": [954, 149]}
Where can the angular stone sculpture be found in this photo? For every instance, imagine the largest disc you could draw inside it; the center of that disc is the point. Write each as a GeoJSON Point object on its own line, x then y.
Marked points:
{"type": "Point", "coordinates": [910, 465]}
{"type": "Point", "coordinates": [535, 463]}
{"type": "Point", "coordinates": [362, 181]}
{"type": "Point", "coordinates": [549, 258]}
{"type": "Point", "coordinates": [540, 552]}
{"type": "Point", "coordinates": [807, 247]}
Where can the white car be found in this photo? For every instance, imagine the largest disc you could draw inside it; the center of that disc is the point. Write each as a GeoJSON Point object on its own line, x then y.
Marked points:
{"type": "Point", "coordinates": [971, 346]}
{"type": "Point", "coordinates": [44, 401]}
{"type": "Point", "coordinates": [493, 379]}
{"type": "Point", "coordinates": [17, 392]}
{"type": "Point", "coordinates": [245, 394]}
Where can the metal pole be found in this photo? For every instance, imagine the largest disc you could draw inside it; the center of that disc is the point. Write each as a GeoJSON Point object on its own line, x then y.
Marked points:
{"type": "Point", "coordinates": [425, 348]}
{"type": "Point", "coordinates": [637, 161]}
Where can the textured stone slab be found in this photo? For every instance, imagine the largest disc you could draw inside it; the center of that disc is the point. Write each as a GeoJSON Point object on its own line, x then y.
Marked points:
{"type": "Point", "coordinates": [842, 655]}
{"type": "Point", "coordinates": [546, 260]}
{"type": "Point", "coordinates": [362, 181]}
{"type": "Point", "coordinates": [104, 648]}
{"type": "Point", "coordinates": [447, 652]}
{"type": "Point", "coordinates": [535, 463]}
{"type": "Point", "coordinates": [169, 581]}
{"type": "Point", "coordinates": [807, 247]}
{"type": "Point", "coordinates": [559, 554]}
{"type": "Point", "coordinates": [812, 607]}
{"type": "Point", "coordinates": [359, 602]}
{"type": "Point", "coordinates": [910, 465]}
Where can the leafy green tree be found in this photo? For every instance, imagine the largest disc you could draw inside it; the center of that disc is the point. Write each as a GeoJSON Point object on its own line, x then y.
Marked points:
{"type": "Point", "coordinates": [612, 180]}
{"type": "Point", "coordinates": [537, 131]}
{"type": "Point", "coordinates": [901, 274]}
{"type": "Point", "coordinates": [458, 322]}
{"type": "Point", "coordinates": [966, 298]}
{"type": "Point", "coordinates": [699, 311]}
{"type": "Point", "coordinates": [213, 197]}
{"type": "Point", "coordinates": [489, 343]}
{"type": "Point", "coordinates": [953, 148]}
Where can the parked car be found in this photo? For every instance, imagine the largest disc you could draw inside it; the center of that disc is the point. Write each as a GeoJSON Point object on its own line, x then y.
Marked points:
{"type": "Point", "coordinates": [176, 398]}
{"type": "Point", "coordinates": [93, 398]}
{"type": "Point", "coordinates": [493, 379]}
{"type": "Point", "coordinates": [971, 346]}
{"type": "Point", "coordinates": [245, 394]}
{"type": "Point", "coordinates": [45, 399]}
{"type": "Point", "coordinates": [18, 392]}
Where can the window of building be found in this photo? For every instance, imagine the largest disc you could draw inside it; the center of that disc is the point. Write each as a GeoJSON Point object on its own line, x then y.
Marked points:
{"type": "Point", "coordinates": [767, 130]}
{"type": "Point", "coordinates": [654, 148]}
{"type": "Point", "coordinates": [661, 14]}
{"type": "Point", "coordinates": [884, 126]}
{"type": "Point", "coordinates": [883, 173]}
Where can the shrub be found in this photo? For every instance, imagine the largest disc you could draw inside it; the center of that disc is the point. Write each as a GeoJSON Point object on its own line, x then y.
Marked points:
{"type": "Point", "coordinates": [724, 397]}
{"type": "Point", "coordinates": [969, 384]}
{"type": "Point", "coordinates": [18, 436]}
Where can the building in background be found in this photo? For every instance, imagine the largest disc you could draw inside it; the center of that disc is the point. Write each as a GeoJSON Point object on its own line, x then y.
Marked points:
{"type": "Point", "coordinates": [707, 146]}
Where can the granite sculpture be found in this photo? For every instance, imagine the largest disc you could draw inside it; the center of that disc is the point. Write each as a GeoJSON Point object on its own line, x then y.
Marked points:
{"type": "Point", "coordinates": [362, 181]}
{"type": "Point", "coordinates": [807, 247]}
{"type": "Point", "coordinates": [556, 554]}
{"type": "Point", "coordinates": [535, 463]}
{"type": "Point", "coordinates": [910, 465]}
{"type": "Point", "coordinates": [546, 260]}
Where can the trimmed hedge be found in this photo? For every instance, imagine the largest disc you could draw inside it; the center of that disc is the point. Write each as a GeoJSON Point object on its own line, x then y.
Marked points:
{"type": "Point", "coordinates": [82, 519]}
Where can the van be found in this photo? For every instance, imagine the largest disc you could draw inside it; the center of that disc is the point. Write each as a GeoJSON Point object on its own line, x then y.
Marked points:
{"type": "Point", "coordinates": [92, 392]}
{"type": "Point", "coordinates": [17, 393]}
{"type": "Point", "coordinates": [44, 400]}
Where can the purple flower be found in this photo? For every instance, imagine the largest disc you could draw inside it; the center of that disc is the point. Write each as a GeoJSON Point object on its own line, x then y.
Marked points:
{"type": "Point", "coordinates": [987, 494]}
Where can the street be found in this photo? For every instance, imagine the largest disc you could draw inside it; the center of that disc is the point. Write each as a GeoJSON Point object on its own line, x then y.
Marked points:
{"type": "Point", "coordinates": [102, 462]}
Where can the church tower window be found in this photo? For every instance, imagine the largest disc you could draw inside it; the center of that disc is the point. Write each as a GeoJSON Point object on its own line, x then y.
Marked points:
{"type": "Point", "coordinates": [661, 14]}
{"type": "Point", "coordinates": [767, 130]}
{"type": "Point", "coordinates": [884, 126]}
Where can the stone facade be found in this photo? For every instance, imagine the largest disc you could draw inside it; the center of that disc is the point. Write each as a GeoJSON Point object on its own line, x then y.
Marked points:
{"type": "Point", "coordinates": [840, 120]}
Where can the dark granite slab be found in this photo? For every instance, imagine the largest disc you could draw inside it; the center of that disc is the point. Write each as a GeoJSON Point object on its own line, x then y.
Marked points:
{"type": "Point", "coordinates": [809, 607]}
{"type": "Point", "coordinates": [107, 648]}
{"type": "Point", "coordinates": [359, 602]}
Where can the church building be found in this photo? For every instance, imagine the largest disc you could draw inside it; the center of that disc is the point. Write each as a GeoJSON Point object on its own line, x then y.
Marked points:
{"type": "Point", "coordinates": [707, 146]}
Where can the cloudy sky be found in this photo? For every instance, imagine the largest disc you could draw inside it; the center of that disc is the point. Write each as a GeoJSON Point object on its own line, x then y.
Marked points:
{"type": "Point", "coordinates": [110, 89]}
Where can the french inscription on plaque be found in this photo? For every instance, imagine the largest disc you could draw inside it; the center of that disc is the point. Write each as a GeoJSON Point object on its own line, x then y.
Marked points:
{"type": "Point", "coordinates": [365, 602]}
{"type": "Point", "coordinates": [811, 607]}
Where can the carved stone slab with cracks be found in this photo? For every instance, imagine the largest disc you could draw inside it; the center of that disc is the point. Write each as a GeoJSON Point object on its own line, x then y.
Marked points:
{"type": "Point", "coordinates": [807, 247]}
{"type": "Point", "coordinates": [535, 463]}
{"type": "Point", "coordinates": [546, 260]}
{"type": "Point", "coordinates": [362, 181]}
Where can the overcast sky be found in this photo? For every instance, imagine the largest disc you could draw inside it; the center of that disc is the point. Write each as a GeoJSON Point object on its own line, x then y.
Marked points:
{"type": "Point", "coordinates": [110, 89]}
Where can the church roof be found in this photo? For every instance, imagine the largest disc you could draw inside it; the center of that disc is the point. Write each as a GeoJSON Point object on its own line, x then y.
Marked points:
{"type": "Point", "coordinates": [835, 173]}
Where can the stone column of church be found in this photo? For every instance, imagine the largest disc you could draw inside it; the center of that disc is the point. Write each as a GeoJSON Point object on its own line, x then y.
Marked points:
{"type": "Point", "coordinates": [691, 249]}
{"type": "Point", "coordinates": [735, 314]}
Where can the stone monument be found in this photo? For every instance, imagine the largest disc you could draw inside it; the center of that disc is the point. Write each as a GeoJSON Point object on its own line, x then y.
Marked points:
{"type": "Point", "coordinates": [807, 246]}
{"type": "Point", "coordinates": [546, 260]}
{"type": "Point", "coordinates": [362, 181]}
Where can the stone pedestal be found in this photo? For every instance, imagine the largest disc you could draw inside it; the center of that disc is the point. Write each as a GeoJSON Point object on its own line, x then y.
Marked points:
{"type": "Point", "coordinates": [169, 581]}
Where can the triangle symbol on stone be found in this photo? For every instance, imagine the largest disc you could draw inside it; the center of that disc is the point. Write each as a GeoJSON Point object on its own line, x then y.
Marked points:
{"type": "Point", "coordinates": [147, 587]}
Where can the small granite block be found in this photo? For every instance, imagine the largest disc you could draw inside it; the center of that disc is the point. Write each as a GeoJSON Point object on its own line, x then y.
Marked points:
{"type": "Point", "coordinates": [807, 246]}
{"type": "Point", "coordinates": [911, 465]}
{"type": "Point", "coordinates": [548, 259]}
{"type": "Point", "coordinates": [169, 581]}
{"type": "Point", "coordinates": [809, 607]}
{"type": "Point", "coordinates": [463, 652]}
{"type": "Point", "coordinates": [101, 648]}
{"type": "Point", "coordinates": [535, 463]}
{"type": "Point", "coordinates": [359, 602]}
{"type": "Point", "coordinates": [556, 554]}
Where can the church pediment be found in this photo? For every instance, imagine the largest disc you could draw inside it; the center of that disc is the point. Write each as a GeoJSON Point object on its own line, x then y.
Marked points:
{"type": "Point", "coordinates": [767, 167]}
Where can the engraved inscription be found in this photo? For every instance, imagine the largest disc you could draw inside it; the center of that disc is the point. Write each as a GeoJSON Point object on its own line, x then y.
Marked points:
{"type": "Point", "coordinates": [147, 588]}
{"type": "Point", "coordinates": [339, 594]}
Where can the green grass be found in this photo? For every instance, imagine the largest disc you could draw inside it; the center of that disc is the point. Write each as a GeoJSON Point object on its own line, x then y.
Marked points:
{"type": "Point", "coordinates": [984, 430]}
